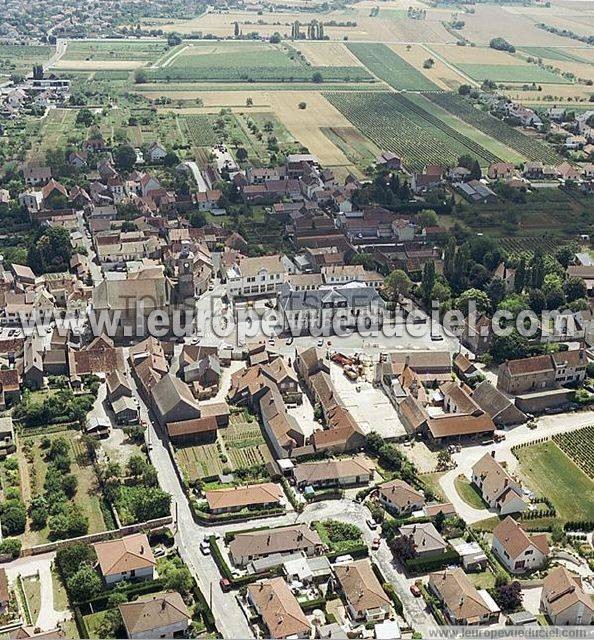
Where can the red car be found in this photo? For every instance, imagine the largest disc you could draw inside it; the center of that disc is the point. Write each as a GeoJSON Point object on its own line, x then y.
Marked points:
{"type": "Point", "coordinates": [225, 584]}
{"type": "Point", "coordinates": [375, 544]}
{"type": "Point", "coordinates": [415, 591]}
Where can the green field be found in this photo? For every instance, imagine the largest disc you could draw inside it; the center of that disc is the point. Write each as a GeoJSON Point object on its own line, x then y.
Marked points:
{"type": "Point", "coordinates": [579, 446]}
{"type": "Point", "coordinates": [390, 67]}
{"type": "Point", "coordinates": [115, 50]}
{"type": "Point", "coordinates": [173, 87]}
{"type": "Point", "coordinates": [247, 62]}
{"type": "Point", "coordinates": [469, 493]}
{"type": "Point", "coordinates": [20, 58]}
{"type": "Point", "coordinates": [552, 53]}
{"type": "Point", "coordinates": [485, 122]}
{"type": "Point", "coordinates": [396, 124]}
{"type": "Point", "coordinates": [496, 147]}
{"type": "Point", "coordinates": [549, 472]}
{"type": "Point", "coordinates": [527, 73]}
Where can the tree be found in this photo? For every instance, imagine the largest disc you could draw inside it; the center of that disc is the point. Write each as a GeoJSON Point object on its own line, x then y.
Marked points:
{"type": "Point", "coordinates": [51, 252]}
{"type": "Point", "coordinates": [520, 277]}
{"type": "Point", "coordinates": [537, 300]}
{"type": "Point", "coordinates": [85, 118]}
{"type": "Point", "coordinates": [171, 159]}
{"type": "Point", "coordinates": [84, 584]}
{"type": "Point", "coordinates": [509, 596]}
{"type": "Point", "coordinates": [575, 288]}
{"type": "Point", "coordinates": [441, 292]}
{"type": "Point", "coordinates": [317, 77]}
{"type": "Point", "coordinates": [197, 219]}
{"type": "Point", "coordinates": [427, 218]}
{"type": "Point", "coordinates": [564, 256]}
{"type": "Point", "coordinates": [397, 284]}
{"type": "Point", "coordinates": [38, 512]}
{"type": "Point", "coordinates": [555, 299]}
{"type": "Point", "coordinates": [480, 299]}
{"type": "Point", "coordinates": [275, 38]}
{"type": "Point", "coordinates": [140, 76]}
{"type": "Point", "coordinates": [249, 102]}
{"type": "Point", "coordinates": [124, 157]}
{"type": "Point", "coordinates": [177, 576]}
{"type": "Point", "coordinates": [70, 559]}
{"type": "Point", "coordinates": [302, 105]}
{"type": "Point", "coordinates": [403, 547]}
{"type": "Point", "coordinates": [428, 280]}
{"type": "Point", "coordinates": [364, 259]}
{"type": "Point", "coordinates": [510, 347]}
{"type": "Point", "coordinates": [496, 291]}
{"type": "Point", "coordinates": [241, 154]}
{"type": "Point", "coordinates": [111, 624]}
{"type": "Point", "coordinates": [464, 89]}
{"type": "Point", "coordinates": [13, 518]}
{"type": "Point", "coordinates": [444, 459]}
{"type": "Point", "coordinates": [173, 39]}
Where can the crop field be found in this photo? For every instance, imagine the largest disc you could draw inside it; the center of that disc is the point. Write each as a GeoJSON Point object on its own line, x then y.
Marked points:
{"type": "Point", "coordinates": [199, 129]}
{"type": "Point", "coordinates": [529, 243]}
{"type": "Point", "coordinates": [579, 446]}
{"type": "Point", "coordinates": [121, 50]}
{"type": "Point", "coordinates": [525, 73]}
{"type": "Point", "coordinates": [485, 122]}
{"type": "Point", "coordinates": [356, 147]}
{"type": "Point", "coordinates": [22, 57]}
{"type": "Point", "coordinates": [561, 55]}
{"type": "Point", "coordinates": [390, 67]}
{"type": "Point", "coordinates": [327, 54]}
{"type": "Point", "coordinates": [396, 124]}
{"type": "Point", "coordinates": [487, 142]}
{"type": "Point", "coordinates": [244, 442]}
{"type": "Point", "coordinates": [444, 76]}
{"type": "Point", "coordinates": [199, 462]}
{"type": "Point", "coordinates": [549, 472]}
{"type": "Point", "coordinates": [477, 55]}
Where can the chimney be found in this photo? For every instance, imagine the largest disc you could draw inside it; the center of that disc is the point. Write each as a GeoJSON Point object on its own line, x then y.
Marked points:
{"type": "Point", "coordinates": [163, 604]}
{"type": "Point", "coordinates": [493, 454]}
{"type": "Point", "coordinates": [141, 549]}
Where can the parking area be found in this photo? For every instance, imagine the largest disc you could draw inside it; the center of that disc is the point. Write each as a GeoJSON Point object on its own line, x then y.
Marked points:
{"type": "Point", "coordinates": [369, 405]}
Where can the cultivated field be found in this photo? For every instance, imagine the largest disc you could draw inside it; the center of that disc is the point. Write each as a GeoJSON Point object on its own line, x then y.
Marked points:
{"type": "Point", "coordinates": [396, 124]}
{"type": "Point", "coordinates": [477, 55]}
{"type": "Point", "coordinates": [327, 54]}
{"type": "Point", "coordinates": [244, 442]}
{"type": "Point", "coordinates": [199, 462]}
{"type": "Point", "coordinates": [384, 63]}
{"type": "Point", "coordinates": [515, 73]}
{"type": "Point", "coordinates": [463, 109]}
{"type": "Point", "coordinates": [96, 65]}
{"type": "Point", "coordinates": [22, 57]}
{"type": "Point", "coordinates": [441, 74]}
{"type": "Point", "coordinates": [549, 472]}
{"type": "Point", "coordinates": [115, 50]}
{"type": "Point", "coordinates": [579, 446]}
{"type": "Point", "coordinates": [253, 62]}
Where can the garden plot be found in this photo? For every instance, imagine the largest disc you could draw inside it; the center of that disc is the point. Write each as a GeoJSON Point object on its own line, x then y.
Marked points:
{"type": "Point", "coordinates": [370, 406]}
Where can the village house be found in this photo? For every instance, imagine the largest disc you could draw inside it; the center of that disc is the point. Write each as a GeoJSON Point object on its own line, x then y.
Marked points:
{"type": "Point", "coordinates": [128, 558]}
{"type": "Point", "coordinates": [519, 551]}
{"type": "Point", "coordinates": [462, 603]}
{"type": "Point", "coordinates": [365, 598]}
{"type": "Point", "coordinates": [342, 472]}
{"type": "Point", "coordinates": [256, 496]}
{"type": "Point", "coordinates": [399, 498]}
{"type": "Point", "coordinates": [564, 600]}
{"type": "Point", "coordinates": [497, 487]}
{"type": "Point", "coordinates": [542, 372]}
{"type": "Point", "coordinates": [426, 540]}
{"type": "Point", "coordinates": [277, 606]}
{"type": "Point", "coordinates": [253, 545]}
{"type": "Point", "coordinates": [156, 615]}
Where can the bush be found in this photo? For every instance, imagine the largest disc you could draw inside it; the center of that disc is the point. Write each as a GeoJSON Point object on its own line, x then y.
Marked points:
{"type": "Point", "coordinates": [13, 517]}
{"type": "Point", "coordinates": [11, 546]}
{"type": "Point", "coordinates": [84, 584]}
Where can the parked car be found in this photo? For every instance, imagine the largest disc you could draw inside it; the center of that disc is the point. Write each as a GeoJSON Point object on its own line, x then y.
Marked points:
{"type": "Point", "coordinates": [225, 585]}
{"type": "Point", "coordinates": [289, 341]}
{"type": "Point", "coordinates": [205, 548]}
{"type": "Point", "coordinates": [372, 524]}
{"type": "Point", "coordinates": [375, 544]}
{"type": "Point", "coordinates": [415, 591]}
{"type": "Point", "coordinates": [321, 342]}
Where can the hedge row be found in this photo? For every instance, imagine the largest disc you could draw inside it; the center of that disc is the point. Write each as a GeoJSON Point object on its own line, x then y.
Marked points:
{"type": "Point", "coordinates": [424, 565]}
{"type": "Point", "coordinates": [202, 517]}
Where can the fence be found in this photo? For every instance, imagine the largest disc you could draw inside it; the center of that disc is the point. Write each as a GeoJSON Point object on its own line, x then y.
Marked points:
{"type": "Point", "coordinates": [149, 525]}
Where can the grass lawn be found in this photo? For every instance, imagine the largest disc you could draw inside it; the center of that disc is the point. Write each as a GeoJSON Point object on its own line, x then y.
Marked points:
{"type": "Point", "coordinates": [468, 492]}
{"type": "Point", "coordinates": [70, 629]}
{"type": "Point", "coordinates": [549, 472]}
{"type": "Point", "coordinates": [60, 597]}
{"type": "Point", "coordinates": [431, 481]}
{"type": "Point", "coordinates": [482, 580]}
{"type": "Point", "coordinates": [32, 588]}
{"type": "Point", "coordinates": [486, 525]}
{"type": "Point", "coordinates": [93, 622]}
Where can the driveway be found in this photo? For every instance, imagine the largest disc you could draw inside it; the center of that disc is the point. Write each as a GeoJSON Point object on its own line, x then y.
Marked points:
{"type": "Point", "coordinates": [465, 459]}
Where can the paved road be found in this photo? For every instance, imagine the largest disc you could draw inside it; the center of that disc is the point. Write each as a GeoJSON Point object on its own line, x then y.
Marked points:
{"type": "Point", "coordinates": [547, 426]}
{"type": "Point", "coordinates": [61, 46]}
{"type": "Point", "coordinates": [230, 619]}
{"type": "Point", "coordinates": [193, 167]}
